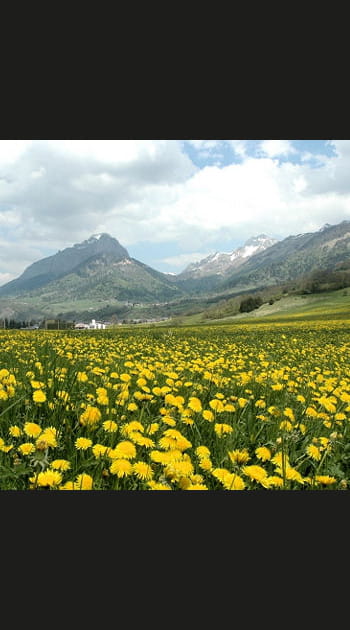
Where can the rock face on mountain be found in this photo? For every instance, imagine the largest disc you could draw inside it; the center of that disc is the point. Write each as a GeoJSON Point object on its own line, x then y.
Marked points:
{"type": "Point", "coordinates": [294, 256]}
{"type": "Point", "coordinates": [46, 270]}
{"type": "Point", "coordinates": [222, 263]}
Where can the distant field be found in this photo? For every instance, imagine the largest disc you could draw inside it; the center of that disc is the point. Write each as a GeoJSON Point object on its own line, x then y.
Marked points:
{"type": "Point", "coordinates": [324, 306]}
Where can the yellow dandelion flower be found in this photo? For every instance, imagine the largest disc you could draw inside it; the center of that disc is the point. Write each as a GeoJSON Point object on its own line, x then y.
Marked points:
{"type": "Point", "coordinates": [202, 451]}
{"type": "Point", "coordinates": [222, 429]}
{"type": "Point", "coordinates": [239, 456]}
{"type": "Point", "coordinates": [256, 473]}
{"type": "Point", "coordinates": [154, 485]}
{"type": "Point", "coordinates": [26, 448]}
{"type": "Point", "coordinates": [153, 428]}
{"type": "Point", "coordinates": [286, 425]}
{"type": "Point", "coordinates": [125, 378]}
{"type": "Point", "coordinates": [32, 429]}
{"type": "Point", "coordinates": [60, 464]}
{"type": "Point", "coordinates": [314, 452]}
{"type": "Point", "coordinates": [83, 482]}
{"type": "Point", "coordinates": [121, 467]}
{"type": "Point", "coordinates": [216, 405]}
{"type": "Point", "coordinates": [132, 407]}
{"type": "Point", "coordinates": [325, 479]}
{"type": "Point", "coordinates": [195, 404]}
{"type": "Point", "coordinates": [169, 421]}
{"type": "Point", "coordinates": [81, 444]}
{"type": "Point", "coordinates": [208, 415]}
{"type": "Point", "coordinates": [263, 453]}
{"type": "Point", "coordinates": [143, 471]}
{"type": "Point", "coordinates": [273, 480]}
{"type": "Point", "coordinates": [99, 450]}
{"type": "Point", "coordinates": [49, 478]}
{"type": "Point", "coordinates": [15, 431]}
{"type": "Point", "coordinates": [39, 396]}
{"type": "Point", "coordinates": [125, 450]}
{"type": "Point", "coordinates": [90, 417]}
{"type": "Point", "coordinates": [110, 426]}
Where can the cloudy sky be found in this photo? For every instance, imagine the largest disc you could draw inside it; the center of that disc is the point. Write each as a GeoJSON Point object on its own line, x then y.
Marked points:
{"type": "Point", "coordinates": [169, 202]}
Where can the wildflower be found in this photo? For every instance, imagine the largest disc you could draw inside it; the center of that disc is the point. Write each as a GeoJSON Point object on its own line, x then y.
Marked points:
{"type": "Point", "coordinates": [205, 464]}
{"type": "Point", "coordinates": [239, 456]}
{"type": "Point", "coordinates": [222, 429]}
{"type": "Point", "coordinates": [60, 464]}
{"type": "Point", "coordinates": [314, 452]}
{"type": "Point", "coordinates": [32, 429]}
{"type": "Point", "coordinates": [263, 453]}
{"type": "Point", "coordinates": [325, 479]}
{"type": "Point", "coordinates": [49, 478]}
{"type": "Point", "coordinates": [99, 450]}
{"type": "Point", "coordinates": [47, 438]}
{"type": "Point", "coordinates": [39, 396]}
{"type": "Point", "coordinates": [257, 473]}
{"type": "Point", "coordinates": [124, 450]}
{"type": "Point", "coordinates": [90, 417]}
{"type": "Point", "coordinates": [110, 426]}
{"type": "Point", "coordinates": [143, 471]}
{"type": "Point", "coordinates": [121, 467]}
{"type": "Point", "coordinates": [81, 444]}
{"type": "Point", "coordinates": [15, 431]}
{"type": "Point", "coordinates": [216, 405]}
{"type": "Point", "coordinates": [26, 448]}
{"type": "Point", "coordinates": [202, 451]}
{"type": "Point", "coordinates": [83, 482]}
{"type": "Point", "coordinates": [195, 404]}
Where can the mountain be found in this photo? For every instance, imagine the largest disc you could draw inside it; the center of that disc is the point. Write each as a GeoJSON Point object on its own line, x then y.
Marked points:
{"type": "Point", "coordinates": [49, 269]}
{"type": "Point", "coordinates": [99, 278]}
{"type": "Point", "coordinates": [293, 257]}
{"type": "Point", "coordinates": [223, 263]}
{"type": "Point", "coordinates": [209, 273]}
{"type": "Point", "coordinates": [98, 268]}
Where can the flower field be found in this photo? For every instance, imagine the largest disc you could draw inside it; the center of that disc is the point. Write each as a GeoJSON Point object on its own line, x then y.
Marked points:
{"type": "Point", "coordinates": [248, 407]}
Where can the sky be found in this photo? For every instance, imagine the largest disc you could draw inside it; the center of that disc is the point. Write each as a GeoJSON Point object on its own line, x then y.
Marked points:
{"type": "Point", "coordinates": [169, 202]}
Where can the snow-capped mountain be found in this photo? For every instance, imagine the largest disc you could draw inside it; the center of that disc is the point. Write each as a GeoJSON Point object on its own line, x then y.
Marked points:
{"type": "Point", "coordinates": [221, 263]}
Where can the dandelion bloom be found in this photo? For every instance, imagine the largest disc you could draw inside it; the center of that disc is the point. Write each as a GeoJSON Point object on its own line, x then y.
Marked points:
{"type": "Point", "coordinates": [110, 426]}
{"type": "Point", "coordinates": [208, 415]}
{"type": "Point", "coordinates": [90, 417]}
{"type": "Point", "coordinates": [222, 429]}
{"type": "Point", "coordinates": [99, 450]}
{"type": "Point", "coordinates": [83, 482]}
{"type": "Point", "coordinates": [26, 448]}
{"type": "Point", "coordinates": [325, 479]}
{"type": "Point", "coordinates": [39, 396]}
{"type": "Point", "coordinates": [206, 464]}
{"type": "Point", "coordinates": [195, 404]}
{"type": "Point", "coordinates": [263, 453]}
{"type": "Point", "coordinates": [32, 429]}
{"type": "Point", "coordinates": [154, 485]}
{"type": "Point", "coordinates": [143, 471]}
{"type": "Point", "coordinates": [216, 405]}
{"type": "Point", "coordinates": [125, 450]}
{"type": "Point", "coordinates": [239, 456]}
{"type": "Point", "coordinates": [202, 451]}
{"type": "Point", "coordinates": [47, 438]}
{"type": "Point", "coordinates": [314, 452]}
{"type": "Point", "coordinates": [60, 464]}
{"type": "Point", "coordinates": [121, 467]}
{"type": "Point", "coordinates": [257, 473]}
{"type": "Point", "coordinates": [49, 478]}
{"type": "Point", "coordinates": [15, 431]}
{"type": "Point", "coordinates": [81, 444]}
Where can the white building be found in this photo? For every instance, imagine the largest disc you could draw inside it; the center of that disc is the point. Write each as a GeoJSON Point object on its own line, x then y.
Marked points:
{"type": "Point", "coordinates": [94, 325]}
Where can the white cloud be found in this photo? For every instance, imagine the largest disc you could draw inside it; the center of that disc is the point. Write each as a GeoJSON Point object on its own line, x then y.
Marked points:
{"type": "Point", "coordinates": [239, 147]}
{"type": "Point", "coordinates": [274, 148]}
{"type": "Point", "coordinates": [182, 260]}
{"type": "Point", "coordinates": [56, 193]}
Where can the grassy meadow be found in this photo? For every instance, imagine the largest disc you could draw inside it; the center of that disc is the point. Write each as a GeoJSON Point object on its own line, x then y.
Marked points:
{"type": "Point", "coordinates": [250, 405]}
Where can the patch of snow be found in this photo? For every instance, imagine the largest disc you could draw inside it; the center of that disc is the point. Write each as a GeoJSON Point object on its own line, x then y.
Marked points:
{"type": "Point", "coordinates": [249, 250]}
